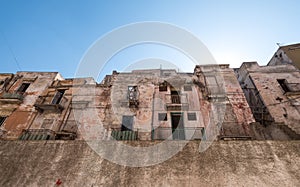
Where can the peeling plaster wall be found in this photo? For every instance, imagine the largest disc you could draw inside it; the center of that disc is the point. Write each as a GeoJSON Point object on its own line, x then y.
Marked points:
{"type": "Point", "coordinates": [23, 113]}
{"type": "Point", "coordinates": [238, 115]}
{"type": "Point", "coordinates": [225, 163]}
{"type": "Point", "coordinates": [281, 106]}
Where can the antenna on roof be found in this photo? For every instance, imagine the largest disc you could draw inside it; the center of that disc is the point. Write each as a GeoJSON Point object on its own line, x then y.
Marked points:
{"type": "Point", "coordinates": [279, 45]}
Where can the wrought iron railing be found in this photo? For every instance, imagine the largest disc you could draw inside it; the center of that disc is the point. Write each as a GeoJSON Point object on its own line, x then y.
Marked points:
{"type": "Point", "coordinates": [8, 95]}
{"type": "Point", "coordinates": [46, 134]}
{"type": "Point", "coordinates": [124, 135]}
{"type": "Point", "coordinates": [37, 134]}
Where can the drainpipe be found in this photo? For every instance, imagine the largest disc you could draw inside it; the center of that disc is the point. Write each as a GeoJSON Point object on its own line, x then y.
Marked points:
{"type": "Point", "coordinates": [152, 129]}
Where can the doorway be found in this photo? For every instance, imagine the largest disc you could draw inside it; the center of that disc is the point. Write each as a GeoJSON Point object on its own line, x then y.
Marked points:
{"type": "Point", "coordinates": [177, 126]}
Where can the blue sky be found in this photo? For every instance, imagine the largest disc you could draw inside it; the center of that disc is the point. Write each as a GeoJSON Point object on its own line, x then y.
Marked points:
{"type": "Point", "coordinates": [54, 35]}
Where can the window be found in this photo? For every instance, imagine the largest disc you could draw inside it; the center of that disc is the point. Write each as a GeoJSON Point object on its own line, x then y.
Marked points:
{"type": "Point", "coordinates": [283, 84]}
{"type": "Point", "coordinates": [175, 97]}
{"type": "Point", "coordinates": [163, 87]}
{"type": "Point", "coordinates": [2, 119]}
{"type": "Point", "coordinates": [192, 116]}
{"type": "Point", "coordinates": [162, 117]}
{"type": "Point", "coordinates": [57, 97]}
{"type": "Point", "coordinates": [127, 123]}
{"type": "Point", "coordinates": [23, 88]}
{"type": "Point", "coordinates": [132, 92]}
{"type": "Point", "coordinates": [187, 87]}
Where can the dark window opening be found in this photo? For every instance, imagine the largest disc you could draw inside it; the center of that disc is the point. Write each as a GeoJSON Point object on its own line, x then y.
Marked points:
{"type": "Point", "coordinates": [283, 84]}
{"type": "Point", "coordinates": [175, 97]}
{"type": "Point", "coordinates": [23, 88]}
{"type": "Point", "coordinates": [187, 87]}
{"type": "Point", "coordinates": [162, 117]}
{"type": "Point", "coordinates": [127, 123]}
{"type": "Point", "coordinates": [163, 87]}
{"type": "Point", "coordinates": [58, 96]}
{"type": "Point", "coordinates": [192, 116]}
{"type": "Point", "coordinates": [2, 119]}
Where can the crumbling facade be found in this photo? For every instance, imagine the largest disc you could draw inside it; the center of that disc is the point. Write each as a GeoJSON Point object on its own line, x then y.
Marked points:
{"type": "Point", "coordinates": [19, 93]}
{"type": "Point", "coordinates": [251, 102]}
{"type": "Point", "coordinates": [273, 93]}
{"type": "Point", "coordinates": [140, 105]}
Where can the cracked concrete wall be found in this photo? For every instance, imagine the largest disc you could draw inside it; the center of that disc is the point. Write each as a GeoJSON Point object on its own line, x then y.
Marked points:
{"type": "Point", "coordinates": [225, 163]}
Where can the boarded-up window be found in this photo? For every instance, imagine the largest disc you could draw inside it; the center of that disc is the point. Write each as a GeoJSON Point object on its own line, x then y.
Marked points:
{"type": "Point", "coordinates": [192, 116]}
{"type": "Point", "coordinates": [162, 117]}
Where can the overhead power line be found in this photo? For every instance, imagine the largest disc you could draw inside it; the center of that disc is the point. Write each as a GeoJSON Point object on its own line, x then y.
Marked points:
{"type": "Point", "coordinates": [11, 51]}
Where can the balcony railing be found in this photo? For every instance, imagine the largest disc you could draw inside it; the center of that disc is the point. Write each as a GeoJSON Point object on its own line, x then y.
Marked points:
{"type": "Point", "coordinates": [42, 105]}
{"type": "Point", "coordinates": [14, 98]}
{"type": "Point", "coordinates": [37, 134]}
{"type": "Point", "coordinates": [46, 134]}
{"type": "Point", "coordinates": [176, 102]}
{"type": "Point", "coordinates": [124, 135]}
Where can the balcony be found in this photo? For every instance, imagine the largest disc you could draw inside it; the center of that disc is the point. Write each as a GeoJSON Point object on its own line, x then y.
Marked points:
{"type": "Point", "coordinates": [176, 102]}
{"type": "Point", "coordinates": [37, 134]}
{"type": "Point", "coordinates": [11, 98]}
{"type": "Point", "coordinates": [186, 133]}
{"type": "Point", "coordinates": [42, 105]}
{"type": "Point", "coordinates": [124, 135]}
{"type": "Point", "coordinates": [46, 134]}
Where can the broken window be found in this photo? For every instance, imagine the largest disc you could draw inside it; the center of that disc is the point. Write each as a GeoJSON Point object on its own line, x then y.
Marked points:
{"type": "Point", "coordinates": [23, 88]}
{"type": "Point", "coordinates": [133, 96]}
{"type": "Point", "coordinates": [2, 119]}
{"type": "Point", "coordinates": [127, 123]}
{"type": "Point", "coordinates": [192, 116]}
{"type": "Point", "coordinates": [132, 92]}
{"type": "Point", "coordinates": [284, 85]}
{"type": "Point", "coordinates": [162, 117]}
{"type": "Point", "coordinates": [163, 87]}
{"type": "Point", "coordinates": [187, 87]}
{"type": "Point", "coordinates": [57, 97]}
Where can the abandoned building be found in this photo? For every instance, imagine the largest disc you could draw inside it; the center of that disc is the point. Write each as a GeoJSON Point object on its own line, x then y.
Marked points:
{"type": "Point", "coordinates": [273, 94]}
{"type": "Point", "coordinates": [251, 102]}
{"type": "Point", "coordinates": [140, 105]}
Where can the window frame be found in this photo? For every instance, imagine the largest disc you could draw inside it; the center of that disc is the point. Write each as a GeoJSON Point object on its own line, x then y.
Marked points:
{"type": "Point", "coordinates": [192, 116]}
